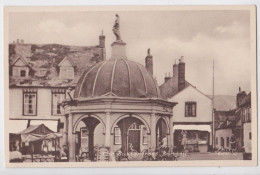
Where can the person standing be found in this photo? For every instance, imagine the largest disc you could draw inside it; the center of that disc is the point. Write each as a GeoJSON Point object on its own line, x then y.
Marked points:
{"type": "Point", "coordinates": [184, 140]}
{"type": "Point", "coordinates": [233, 143]}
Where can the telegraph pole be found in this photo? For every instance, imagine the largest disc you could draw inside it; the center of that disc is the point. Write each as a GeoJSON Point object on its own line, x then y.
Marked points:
{"type": "Point", "coordinates": [213, 114]}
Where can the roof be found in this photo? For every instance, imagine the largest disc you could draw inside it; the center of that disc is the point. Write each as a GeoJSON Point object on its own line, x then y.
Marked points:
{"type": "Point", "coordinates": [117, 77]}
{"type": "Point", "coordinates": [37, 129]}
{"type": "Point", "coordinates": [227, 119]}
{"type": "Point", "coordinates": [44, 70]}
{"type": "Point", "coordinates": [170, 88]}
{"type": "Point", "coordinates": [224, 102]}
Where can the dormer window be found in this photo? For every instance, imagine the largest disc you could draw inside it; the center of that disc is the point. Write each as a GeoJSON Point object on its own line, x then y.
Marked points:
{"type": "Point", "coordinates": [20, 68]}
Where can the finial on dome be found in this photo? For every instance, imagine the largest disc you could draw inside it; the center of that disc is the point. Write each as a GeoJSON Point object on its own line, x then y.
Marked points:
{"type": "Point", "coordinates": [148, 51]}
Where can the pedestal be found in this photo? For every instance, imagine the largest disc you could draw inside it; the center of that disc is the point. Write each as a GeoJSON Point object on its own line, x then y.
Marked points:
{"type": "Point", "coordinates": [118, 50]}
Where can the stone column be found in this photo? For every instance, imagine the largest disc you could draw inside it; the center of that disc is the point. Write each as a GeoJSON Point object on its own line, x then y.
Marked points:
{"type": "Point", "coordinates": [65, 131]}
{"type": "Point", "coordinates": [171, 140]}
{"type": "Point", "coordinates": [153, 132]}
{"type": "Point", "coordinates": [71, 139]}
{"type": "Point", "coordinates": [107, 134]}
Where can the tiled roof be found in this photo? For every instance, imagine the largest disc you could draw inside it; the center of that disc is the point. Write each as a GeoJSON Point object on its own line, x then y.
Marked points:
{"type": "Point", "coordinates": [170, 88]}
{"type": "Point", "coordinates": [44, 69]}
{"type": "Point", "coordinates": [227, 119]}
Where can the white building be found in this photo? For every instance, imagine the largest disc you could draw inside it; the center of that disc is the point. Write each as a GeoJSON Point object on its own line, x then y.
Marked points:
{"type": "Point", "coordinates": [192, 115]}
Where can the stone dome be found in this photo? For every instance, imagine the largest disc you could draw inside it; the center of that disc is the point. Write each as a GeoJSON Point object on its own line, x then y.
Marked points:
{"type": "Point", "coordinates": [117, 77]}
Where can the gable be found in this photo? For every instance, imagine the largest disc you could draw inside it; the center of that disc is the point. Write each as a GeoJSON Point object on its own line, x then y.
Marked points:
{"type": "Point", "coordinates": [19, 62]}
{"type": "Point", "coordinates": [66, 62]}
{"type": "Point", "coordinates": [191, 93]}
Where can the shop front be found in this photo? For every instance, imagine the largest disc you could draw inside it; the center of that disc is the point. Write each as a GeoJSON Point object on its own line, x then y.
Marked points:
{"type": "Point", "coordinates": [192, 138]}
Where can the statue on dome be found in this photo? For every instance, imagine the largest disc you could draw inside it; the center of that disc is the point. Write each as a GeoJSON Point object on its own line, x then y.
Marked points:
{"type": "Point", "coordinates": [116, 29]}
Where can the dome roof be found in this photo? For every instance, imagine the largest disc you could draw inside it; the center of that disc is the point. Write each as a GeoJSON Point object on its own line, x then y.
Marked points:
{"type": "Point", "coordinates": [119, 77]}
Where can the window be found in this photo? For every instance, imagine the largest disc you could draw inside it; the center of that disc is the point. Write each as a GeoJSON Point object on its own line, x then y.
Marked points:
{"type": "Point", "coordinates": [216, 140]}
{"type": "Point", "coordinates": [23, 73]}
{"type": "Point", "coordinates": [57, 99]}
{"type": "Point", "coordinates": [250, 135]}
{"type": "Point", "coordinates": [145, 136]}
{"type": "Point", "coordinates": [117, 136]}
{"type": "Point", "coordinates": [190, 109]}
{"type": "Point", "coordinates": [29, 104]}
{"type": "Point", "coordinates": [227, 142]}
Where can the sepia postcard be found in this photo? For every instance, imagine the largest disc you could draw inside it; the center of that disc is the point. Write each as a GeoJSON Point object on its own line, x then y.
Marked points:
{"type": "Point", "coordinates": [130, 86]}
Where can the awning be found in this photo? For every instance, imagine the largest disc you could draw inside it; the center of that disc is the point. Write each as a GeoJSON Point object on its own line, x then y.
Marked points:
{"type": "Point", "coordinates": [16, 126]}
{"type": "Point", "coordinates": [53, 124]}
{"type": "Point", "coordinates": [192, 127]}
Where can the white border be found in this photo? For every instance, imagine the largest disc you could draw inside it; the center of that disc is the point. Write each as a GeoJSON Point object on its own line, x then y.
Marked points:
{"type": "Point", "coordinates": [168, 170]}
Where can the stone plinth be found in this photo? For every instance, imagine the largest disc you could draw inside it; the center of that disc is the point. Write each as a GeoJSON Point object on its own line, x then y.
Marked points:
{"type": "Point", "coordinates": [118, 50]}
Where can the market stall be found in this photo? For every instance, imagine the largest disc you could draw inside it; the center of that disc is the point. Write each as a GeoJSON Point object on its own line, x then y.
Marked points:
{"type": "Point", "coordinates": [39, 144]}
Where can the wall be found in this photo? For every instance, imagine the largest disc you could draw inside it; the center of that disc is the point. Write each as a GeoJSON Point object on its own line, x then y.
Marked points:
{"type": "Point", "coordinates": [44, 105]}
{"type": "Point", "coordinates": [223, 133]}
{"type": "Point", "coordinates": [204, 106]}
{"type": "Point", "coordinates": [247, 141]}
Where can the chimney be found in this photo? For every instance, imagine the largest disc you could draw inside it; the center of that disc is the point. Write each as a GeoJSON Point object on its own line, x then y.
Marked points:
{"type": "Point", "coordinates": [166, 78]}
{"type": "Point", "coordinates": [149, 62]}
{"type": "Point", "coordinates": [175, 71]}
{"type": "Point", "coordinates": [181, 74]}
{"type": "Point", "coordinates": [17, 41]}
{"type": "Point", "coordinates": [22, 41]}
{"type": "Point", "coordinates": [240, 96]}
{"type": "Point", "coordinates": [102, 40]}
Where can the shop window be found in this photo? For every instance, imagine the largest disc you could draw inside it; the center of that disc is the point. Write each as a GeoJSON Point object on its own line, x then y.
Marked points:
{"type": "Point", "coordinates": [117, 138]}
{"type": "Point", "coordinates": [57, 99]}
{"type": "Point", "coordinates": [227, 141]}
{"type": "Point", "coordinates": [190, 109]}
{"type": "Point", "coordinates": [29, 104]}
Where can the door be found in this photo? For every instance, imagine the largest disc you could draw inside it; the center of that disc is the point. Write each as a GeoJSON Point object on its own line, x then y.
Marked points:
{"type": "Point", "coordinates": [222, 142]}
{"type": "Point", "coordinates": [134, 139]}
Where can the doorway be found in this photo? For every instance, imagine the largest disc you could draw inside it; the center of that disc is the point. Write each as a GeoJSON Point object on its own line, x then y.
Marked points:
{"type": "Point", "coordinates": [134, 132]}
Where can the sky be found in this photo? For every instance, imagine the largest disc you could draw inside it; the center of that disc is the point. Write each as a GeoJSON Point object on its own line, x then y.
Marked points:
{"type": "Point", "coordinates": [199, 36]}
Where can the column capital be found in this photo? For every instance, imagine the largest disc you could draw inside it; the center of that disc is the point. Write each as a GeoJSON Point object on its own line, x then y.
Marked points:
{"type": "Point", "coordinates": [107, 111]}
{"type": "Point", "coordinates": [153, 112]}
